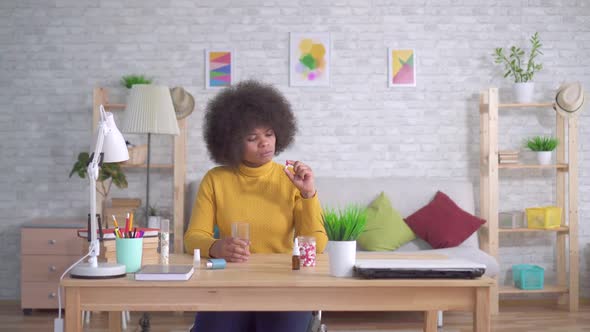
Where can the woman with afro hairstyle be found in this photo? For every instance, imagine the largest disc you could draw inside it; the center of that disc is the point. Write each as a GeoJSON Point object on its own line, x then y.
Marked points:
{"type": "Point", "coordinates": [246, 125]}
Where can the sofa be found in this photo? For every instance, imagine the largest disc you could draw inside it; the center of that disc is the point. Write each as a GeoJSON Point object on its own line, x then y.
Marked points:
{"type": "Point", "coordinates": [406, 195]}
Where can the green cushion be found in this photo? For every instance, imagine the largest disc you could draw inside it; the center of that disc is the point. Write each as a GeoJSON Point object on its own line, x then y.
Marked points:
{"type": "Point", "coordinates": [385, 229]}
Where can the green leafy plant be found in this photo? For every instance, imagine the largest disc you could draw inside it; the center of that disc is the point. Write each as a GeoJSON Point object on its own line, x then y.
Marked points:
{"type": "Point", "coordinates": [107, 171]}
{"type": "Point", "coordinates": [346, 224]}
{"type": "Point", "coordinates": [129, 80]}
{"type": "Point", "coordinates": [541, 143]}
{"type": "Point", "coordinates": [153, 211]}
{"type": "Point", "coordinates": [514, 64]}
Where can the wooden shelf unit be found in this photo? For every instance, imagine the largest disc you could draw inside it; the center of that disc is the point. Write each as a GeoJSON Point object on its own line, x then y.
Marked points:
{"type": "Point", "coordinates": [567, 247]}
{"type": "Point", "coordinates": [533, 166]}
{"type": "Point", "coordinates": [178, 166]}
{"type": "Point", "coordinates": [560, 229]}
{"type": "Point", "coordinates": [546, 289]}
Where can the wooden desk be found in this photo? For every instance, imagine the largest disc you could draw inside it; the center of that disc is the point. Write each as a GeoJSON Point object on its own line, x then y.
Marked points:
{"type": "Point", "coordinates": [266, 283]}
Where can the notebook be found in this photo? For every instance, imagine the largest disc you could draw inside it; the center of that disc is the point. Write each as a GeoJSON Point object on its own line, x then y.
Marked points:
{"type": "Point", "coordinates": [418, 268]}
{"type": "Point", "coordinates": [165, 272]}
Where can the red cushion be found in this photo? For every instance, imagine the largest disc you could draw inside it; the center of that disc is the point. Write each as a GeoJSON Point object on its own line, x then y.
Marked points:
{"type": "Point", "coordinates": [442, 223]}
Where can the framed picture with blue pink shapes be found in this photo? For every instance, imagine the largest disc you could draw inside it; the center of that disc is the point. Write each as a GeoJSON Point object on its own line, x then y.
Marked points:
{"type": "Point", "coordinates": [219, 68]}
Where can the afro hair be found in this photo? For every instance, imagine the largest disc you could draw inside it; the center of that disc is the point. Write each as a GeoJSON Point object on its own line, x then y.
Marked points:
{"type": "Point", "coordinates": [237, 110]}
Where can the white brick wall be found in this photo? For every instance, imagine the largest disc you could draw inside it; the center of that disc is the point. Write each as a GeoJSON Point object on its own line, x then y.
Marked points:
{"type": "Point", "coordinates": [54, 53]}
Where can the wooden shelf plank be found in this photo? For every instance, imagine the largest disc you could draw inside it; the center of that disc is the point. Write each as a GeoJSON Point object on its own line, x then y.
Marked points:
{"type": "Point", "coordinates": [527, 105]}
{"type": "Point", "coordinates": [547, 289]}
{"type": "Point", "coordinates": [562, 229]}
{"type": "Point", "coordinates": [114, 106]}
{"type": "Point", "coordinates": [533, 166]}
{"type": "Point", "coordinates": [152, 166]}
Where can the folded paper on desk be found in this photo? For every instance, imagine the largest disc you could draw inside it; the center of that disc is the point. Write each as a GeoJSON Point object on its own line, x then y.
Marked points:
{"type": "Point", "coordinates": [109, 233]}
{"type": "Point", "coordinates": [165, 272]}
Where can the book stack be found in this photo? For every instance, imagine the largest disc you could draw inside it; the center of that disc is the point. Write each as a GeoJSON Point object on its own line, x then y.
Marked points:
{"type": "Point", "coordinates": [108, 251]}
{"type": "Point", "coordinates": [508, 157]}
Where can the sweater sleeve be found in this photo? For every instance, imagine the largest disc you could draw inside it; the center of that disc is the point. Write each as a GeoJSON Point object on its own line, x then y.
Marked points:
{"type": "Point", "coordinates": [199, 234]}
{"type": "Point", "coordinates": [308, 220]}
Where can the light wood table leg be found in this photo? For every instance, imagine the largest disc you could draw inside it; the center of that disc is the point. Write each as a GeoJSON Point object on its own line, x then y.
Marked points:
{"type": "Point", "coordinates": [430, 320]}
{"type": "Point", "coordinates": [115, 321]}
{"type": "Point", "coordinates": [73, 319]}
{"type": "Point", "coordinates": [495, 298]}
{"type": "Point", "coordinates": [481, 315]}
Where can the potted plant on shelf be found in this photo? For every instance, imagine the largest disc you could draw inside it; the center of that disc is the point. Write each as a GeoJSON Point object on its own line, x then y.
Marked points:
{"type": "Point", "coordinates": [522, 72]}
{"type": "Point", "coordinates": [130, 80]}
{"type": "Point", "coordinates": [109, 173]}
{"type": "Point", "coordinates": [153, 217]}
{"type": "Point", "coordinates": [343, 228]}
{"type": "Point", "coordinates": [542, 146]}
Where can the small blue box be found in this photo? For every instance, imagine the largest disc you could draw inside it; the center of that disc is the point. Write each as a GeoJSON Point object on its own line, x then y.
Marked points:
{"type": "Point", "coordinates": [528, 276]}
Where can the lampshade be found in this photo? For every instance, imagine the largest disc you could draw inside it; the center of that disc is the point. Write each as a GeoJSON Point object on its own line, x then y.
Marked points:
{"type": "Point", "coordinates": [114, 147]}
{"type": "Point", "coordinates": [150, 111]}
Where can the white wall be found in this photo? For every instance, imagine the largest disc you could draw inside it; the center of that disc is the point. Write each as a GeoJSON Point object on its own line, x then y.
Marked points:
{"type": "Point", "coordinates": [54, 53]}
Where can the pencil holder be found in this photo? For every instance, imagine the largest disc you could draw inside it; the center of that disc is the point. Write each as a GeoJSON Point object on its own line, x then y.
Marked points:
{"type": "Point", "coordinates": [129, 253]}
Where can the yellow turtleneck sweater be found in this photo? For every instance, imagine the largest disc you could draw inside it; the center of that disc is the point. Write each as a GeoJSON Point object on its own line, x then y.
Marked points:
{"type": "Point", "coordinates": [265, 198]}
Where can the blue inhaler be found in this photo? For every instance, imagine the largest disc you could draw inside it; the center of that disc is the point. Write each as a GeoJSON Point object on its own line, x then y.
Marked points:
{"type": "Point", "coordinates": [216, 264]}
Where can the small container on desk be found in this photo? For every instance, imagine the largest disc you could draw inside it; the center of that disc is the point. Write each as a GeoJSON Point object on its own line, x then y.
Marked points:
{"type": "Point", "coordinates": [545, 217]}
{"type": "Point", "coordinates": [307, 250]}
{"type": "Point", "coordinates": [164, 241]}
{"type": "Point", "coordinates": [528, 276]}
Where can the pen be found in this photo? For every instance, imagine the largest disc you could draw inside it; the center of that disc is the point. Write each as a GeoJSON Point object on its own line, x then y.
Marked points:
{"type": "Point", "coordinates": [117, 232]}
{"type": "Point", "coordinates": [127, 224]}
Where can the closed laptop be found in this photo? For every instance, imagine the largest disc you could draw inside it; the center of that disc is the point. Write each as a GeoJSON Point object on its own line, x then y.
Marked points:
{"type": "Point", "coordinates": [418, 269]}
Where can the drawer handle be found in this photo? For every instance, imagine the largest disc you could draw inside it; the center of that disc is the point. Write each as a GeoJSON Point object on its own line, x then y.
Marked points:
{"type": "Point", "coordinates": [52, 295]}
{"type": "Point", "coordinates": [52, 241]}
{"type": "Point", "coordinates": [52, 268]}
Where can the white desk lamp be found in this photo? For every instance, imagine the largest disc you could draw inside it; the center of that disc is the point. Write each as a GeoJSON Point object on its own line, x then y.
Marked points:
{"type": "Point", "coordinates": [110, 148]}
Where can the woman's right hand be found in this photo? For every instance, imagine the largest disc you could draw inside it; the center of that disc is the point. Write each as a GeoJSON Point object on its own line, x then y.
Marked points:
{"type": "Point", "coordinates": [231, 249]}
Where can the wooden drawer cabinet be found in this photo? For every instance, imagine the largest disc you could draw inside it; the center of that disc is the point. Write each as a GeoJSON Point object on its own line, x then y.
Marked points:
{"type": "Point", "coordinates": [48, 248]}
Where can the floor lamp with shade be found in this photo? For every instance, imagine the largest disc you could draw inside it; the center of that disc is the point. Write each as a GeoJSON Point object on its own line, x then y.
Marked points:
{"type": "Point", "coordinates": [150, 111]}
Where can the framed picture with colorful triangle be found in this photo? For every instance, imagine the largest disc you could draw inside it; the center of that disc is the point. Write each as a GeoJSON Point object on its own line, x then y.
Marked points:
{"type": "Point", "coordinates": [401, 67]}
{"type": "Point", "coordinates": [219, 68]}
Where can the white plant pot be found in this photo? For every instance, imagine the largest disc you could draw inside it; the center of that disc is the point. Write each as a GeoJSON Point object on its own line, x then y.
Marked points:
{"type": "Point", "coordinates": [523, 92]}
{"type": "Point", "coordinates": [341, 256]}
{"type": "Point", "coordinates": [544, 157]}
{"type": "Point", "coordinates": [154, 222]}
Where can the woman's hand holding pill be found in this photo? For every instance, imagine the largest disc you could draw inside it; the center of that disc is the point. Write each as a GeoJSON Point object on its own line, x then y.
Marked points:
{"type": "Point", "coordinates": [302, 177]}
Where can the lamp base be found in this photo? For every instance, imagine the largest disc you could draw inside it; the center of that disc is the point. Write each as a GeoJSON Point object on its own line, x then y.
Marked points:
{"type": "Point", "coordinates": [103, 271]}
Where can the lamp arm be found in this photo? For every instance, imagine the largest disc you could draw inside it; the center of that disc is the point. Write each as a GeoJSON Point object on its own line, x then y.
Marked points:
{"type": "Point", "coordinates": [93, 170]}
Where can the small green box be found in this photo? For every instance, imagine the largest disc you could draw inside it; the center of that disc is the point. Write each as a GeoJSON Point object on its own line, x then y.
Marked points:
{"type": "Point", "coordinates": [528, 276]}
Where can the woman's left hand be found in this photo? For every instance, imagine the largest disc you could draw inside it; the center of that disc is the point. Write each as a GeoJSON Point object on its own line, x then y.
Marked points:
{"type": "Point", "coordinates": [302, 177]}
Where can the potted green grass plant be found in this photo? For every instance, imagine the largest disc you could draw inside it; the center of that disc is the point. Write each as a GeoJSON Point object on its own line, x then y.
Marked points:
{"type": "Point", "coordinates": [522, 72]}
{"type": "Point", "coordinates": [130, 80]}
{"type": "Point", "coordinates": [343, 227]}
{"type": "Point", "coordinates": [542, 146]}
